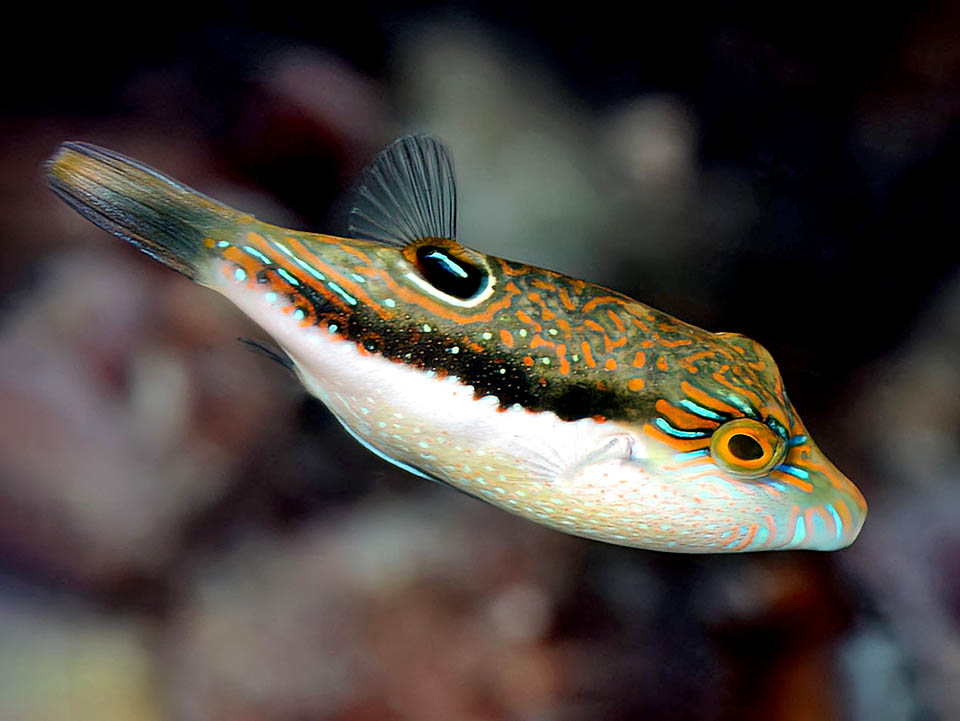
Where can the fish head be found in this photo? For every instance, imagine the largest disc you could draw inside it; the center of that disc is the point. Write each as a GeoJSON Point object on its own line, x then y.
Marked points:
{"type": "Point", "coordinates": [724, 429]}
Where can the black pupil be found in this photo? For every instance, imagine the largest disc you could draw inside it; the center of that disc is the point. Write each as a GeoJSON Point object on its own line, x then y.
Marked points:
{"type": "Point", "coordinates": [744, 447]}
{"type": "Point", "coordinates": [448, 274]}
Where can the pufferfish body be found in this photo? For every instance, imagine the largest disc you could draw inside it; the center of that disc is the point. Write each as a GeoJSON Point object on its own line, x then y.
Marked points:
{"type": "Point", "coordinates": [562, 401]}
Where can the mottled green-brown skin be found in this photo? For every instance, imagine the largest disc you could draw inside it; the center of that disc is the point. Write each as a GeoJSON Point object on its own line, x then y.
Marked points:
{"type": "Point", "coordinates": [541, 340]}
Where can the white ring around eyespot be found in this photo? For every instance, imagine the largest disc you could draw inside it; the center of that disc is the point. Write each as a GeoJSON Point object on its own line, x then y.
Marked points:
{"type": "Point", "coordinates": [449, 299]}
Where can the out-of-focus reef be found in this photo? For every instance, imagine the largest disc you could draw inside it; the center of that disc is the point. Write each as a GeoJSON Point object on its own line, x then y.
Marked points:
{"type": "Point", "coordinates": [184, 536]}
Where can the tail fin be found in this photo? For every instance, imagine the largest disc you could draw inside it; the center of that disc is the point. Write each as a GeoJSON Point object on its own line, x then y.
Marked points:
{"type": "Point", "coordinates": [163, 218]}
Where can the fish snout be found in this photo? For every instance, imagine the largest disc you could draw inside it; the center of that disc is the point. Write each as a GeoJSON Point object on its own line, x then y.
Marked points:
{"type": "Point", "coordinates": [835, 510]}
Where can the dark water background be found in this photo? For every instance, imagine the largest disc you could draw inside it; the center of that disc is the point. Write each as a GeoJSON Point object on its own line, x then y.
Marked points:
{"type": "Point", "coordinates": [184, 536]}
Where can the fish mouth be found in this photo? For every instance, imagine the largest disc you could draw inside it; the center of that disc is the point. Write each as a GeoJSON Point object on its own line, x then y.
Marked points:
{"type": "Point", "coordinates": [832, 518]}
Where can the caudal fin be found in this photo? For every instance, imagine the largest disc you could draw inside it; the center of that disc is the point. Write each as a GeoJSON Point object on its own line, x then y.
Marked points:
{"type": "Point", "coordinates": [163, 218]}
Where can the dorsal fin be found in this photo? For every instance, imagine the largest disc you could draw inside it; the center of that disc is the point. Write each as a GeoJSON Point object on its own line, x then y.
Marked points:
{"type": "Point", "coordinates": [407, 193]}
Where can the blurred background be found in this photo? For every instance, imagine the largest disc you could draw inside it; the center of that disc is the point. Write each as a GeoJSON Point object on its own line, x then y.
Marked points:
{"type": "Point", "coordinates": [184, 536]}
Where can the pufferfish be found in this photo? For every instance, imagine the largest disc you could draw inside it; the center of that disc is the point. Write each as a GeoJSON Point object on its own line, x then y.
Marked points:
{"type": "Point", "coordinates": [567, 403]}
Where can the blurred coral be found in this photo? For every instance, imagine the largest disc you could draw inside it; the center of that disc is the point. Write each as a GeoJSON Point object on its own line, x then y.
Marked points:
{"type": "Point", "coordinates": [184, 536]}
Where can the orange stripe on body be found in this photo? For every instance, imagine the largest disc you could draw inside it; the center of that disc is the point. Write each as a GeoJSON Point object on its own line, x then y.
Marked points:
{"type": "Point", "coordinates": [591, 304]}
{"type": "Point", "coordinates": [562, 357]}
{"type": "Point", "coordinates": [687, 363]}
{"type": "Point", "coordinates": [616, 320]}
{"type": "Point", "coordinates": [542, 285]}
{"type": "Point", "coordinates": [539, 340]}
{"type": "Point", "coordinates": [588, 355]}
{"type": "Point", "coordinates": [751, 534]}
{"type": "Point", "coordinates": [524, 317]}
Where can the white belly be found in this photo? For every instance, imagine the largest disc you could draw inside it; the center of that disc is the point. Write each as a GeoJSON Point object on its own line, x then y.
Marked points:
{"type": "Point", "coordinates": [531, 463]}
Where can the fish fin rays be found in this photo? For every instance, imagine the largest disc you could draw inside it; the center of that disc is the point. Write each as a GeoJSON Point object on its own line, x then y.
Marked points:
{"type": "Point", "coordinates": [406, 194]}
{"type": "Point", "coordinates": [274, 354]}
{"type": "Point", "coordinates": [615, 449]}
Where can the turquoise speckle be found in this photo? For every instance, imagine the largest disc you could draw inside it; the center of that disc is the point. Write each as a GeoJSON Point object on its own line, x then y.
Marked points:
{"type": "Point", "coordinates": [310, 269]}
{"type": "Point", "coordinates": [299, 314]}
{"type": "Point", "coordinates": [287, 277]}
{"type": "Point", "coordinates": [800, 532]}
{"type": "Point", "coordinates": [699, 410]}
{"type": "Point", "coordinates": [793, 471]}
{"type": "Point", "coordinates": [284, 248]}
{"type": "Point", "coordinates": [240, 274]}
{"type": "Point", "coordinates": [257, 254]}
{"type": "Point", "coordinates": [342, 293]}
{"type": "Point", "coordinates": [270, 297]}
{"type": "Point", "coordinates": [837, 523]}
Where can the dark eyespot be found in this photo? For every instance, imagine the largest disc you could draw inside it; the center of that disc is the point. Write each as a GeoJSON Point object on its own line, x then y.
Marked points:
{"type": "Point", "coordinates": [448, 274]}
{"type": "Point", "coordinates": [744, 447]}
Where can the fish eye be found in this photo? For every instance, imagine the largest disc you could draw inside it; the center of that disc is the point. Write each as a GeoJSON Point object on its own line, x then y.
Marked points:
{"type": "Point", "coordinates": [746, 447]}
{"type": "Point", "coordinates": [448, 274]}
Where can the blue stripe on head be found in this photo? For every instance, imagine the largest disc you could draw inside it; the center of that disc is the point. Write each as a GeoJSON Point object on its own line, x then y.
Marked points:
{"type": "Point", "coordinates": [745, 408]}
{"type": "Point", "coordinates": [676, 432]}
{"type": "Point", "coordinates": [778, 428]}
{"type": "Point", "coordinates": [837, 523]}
{"type": "Point", "coordinates": [793, 471]}
{"type": "Point", "coordinates": [699, 410]}
{"type": "Point", "coordinates": [690, 455]}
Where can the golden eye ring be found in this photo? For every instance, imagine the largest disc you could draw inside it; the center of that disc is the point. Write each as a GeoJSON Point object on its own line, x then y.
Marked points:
{"type": "Point", "coordinates": [747, 447]}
